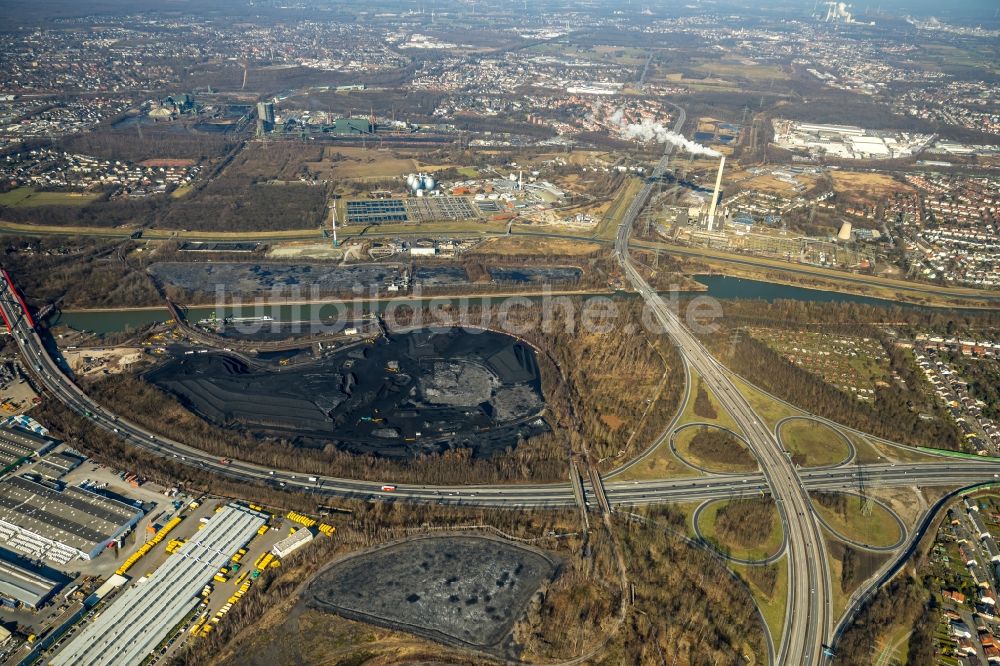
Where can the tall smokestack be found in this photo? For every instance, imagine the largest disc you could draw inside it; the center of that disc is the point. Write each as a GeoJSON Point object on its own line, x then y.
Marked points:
{"type": "Point", "coordinates": [333, 224]}
{"type": "Point", "coordinates": [715, 194]}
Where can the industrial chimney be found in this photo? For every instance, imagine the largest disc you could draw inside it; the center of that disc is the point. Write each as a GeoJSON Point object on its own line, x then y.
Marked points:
{"type": "Point", "coordinates": [715, 194]}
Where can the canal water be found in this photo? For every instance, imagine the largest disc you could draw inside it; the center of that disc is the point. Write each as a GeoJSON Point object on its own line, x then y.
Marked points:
{"type": "Point", "coordinates": [719, 286]}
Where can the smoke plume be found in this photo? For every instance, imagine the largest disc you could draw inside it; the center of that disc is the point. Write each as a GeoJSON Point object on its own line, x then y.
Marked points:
{"type": "Point", "coordinates": [648, 131]}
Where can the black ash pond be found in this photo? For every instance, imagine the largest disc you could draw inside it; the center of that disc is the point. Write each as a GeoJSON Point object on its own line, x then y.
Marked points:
{"type": "Point", "coordinates": [258, 278]}
{"type": "Point", "coordinates": [535, 274]}
{"type": "Point", "coordinates": [440, 276]}
{"type": "Point", "coordinates": [422, 391]}
{"type": "Point", "coordinates": [254, 278]}
{"type": "Point", "coordinates": [462, 590]}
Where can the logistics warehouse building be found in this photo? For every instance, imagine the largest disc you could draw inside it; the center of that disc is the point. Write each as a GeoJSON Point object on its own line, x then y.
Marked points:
{"type": "Point", "coordinates": [60, 525]}
{"type": "Point", "coordinates": [135, 623]}
{"type": "Point", "coordinates": [17, 445]}
{"type": "Point", "coordinates": [24, 585]}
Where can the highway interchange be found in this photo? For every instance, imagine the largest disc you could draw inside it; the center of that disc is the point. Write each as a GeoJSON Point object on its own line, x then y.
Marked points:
{"type": "Point", "coordinates": [808, 618]}
{"type": "Point", "coordinates": [809, 622]}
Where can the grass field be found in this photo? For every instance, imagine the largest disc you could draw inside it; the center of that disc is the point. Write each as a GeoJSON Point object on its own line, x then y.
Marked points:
{"type": "Point", "coordinates": [723, 464]}
{"type": "Point", "coordinates": [288, 234]}
{"type": "Point", "coordinates": [838, 599]}
{"type": "Point", "coordinates": [867, 453]}
{"type": "Point", "coordinates": [895, 648]}
{"type": "Point", "coordinates": [608, 226]}
{"type": "Point", "coordinates": [159, 234]}
{"type": "Point", "coordinates": [770, 540]}
{"type": "Point", "coordinates": [27, 197]}
{"type": "Point", "coordinates": [768, 409]}
{"type": "Point", "coordinates": [708, 83]}
{"type": "Point", "coordinates": [694, 413]}
{"type": "Point", "coordinates": [470, 227]}
{"type": "Point", "coordinates": [814, 443]}
{"type": "Point", "coordinates": [660, 464]}
{"type": "Point", "coordinates": [954, 56]}
{"type": "Point", "coordinates": [349, 162]}
{"type": "Point", "coordinates": [772, 605]}
{"type": "Point", "coordinates": [876, 529]}
{"type": "Point", "coordinates": [902, 453]}
{"type": "Point", "coordinates": [181, 192]}
{"type": "Point", "coordinates": [605, 53]}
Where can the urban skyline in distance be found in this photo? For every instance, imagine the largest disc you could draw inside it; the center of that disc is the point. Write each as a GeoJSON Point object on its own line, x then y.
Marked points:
{"type": "Point", "coordinates": [457, 332]}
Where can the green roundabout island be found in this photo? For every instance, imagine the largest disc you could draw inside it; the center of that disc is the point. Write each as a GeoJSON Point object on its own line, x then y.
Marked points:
{"type": "Point", "coordinates": [744, 530]}
{"type": "Point", "coordinates": [713, 449]}
{"type": "Point", "coordinates": [812, 443]}
{"type": "Point", "coordinates": [867, 524]}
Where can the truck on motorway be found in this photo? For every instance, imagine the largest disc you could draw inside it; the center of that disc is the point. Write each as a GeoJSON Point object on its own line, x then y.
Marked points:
{"type": "Point", "coordinates": [388, 488]}
{"type": "Point", "coordinates": [313, 479]}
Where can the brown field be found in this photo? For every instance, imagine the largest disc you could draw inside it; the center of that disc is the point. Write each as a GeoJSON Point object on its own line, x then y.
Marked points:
{"type": "Point", "coordinates": [678, 77]}
{"type": "Point", "coordinates": [166, 162]}
{"type": "Point", "coordinates": [575, 157]}
{"type": "Point", "coordinates": [531, 246]}
{"type": "Point", "coordinates": [613, 422]}
{"type": "Point", "coordinates": [741, 68]}
{"type": "Point", "coordinates": [277, 161]}
{"type": "Point", "coordinates": [767, 183]}
{"type": "Point", "coordinates": [874, 186]}
{"type": "Point", "coordinates": [353, 162]}
{"type": "Point", "coordinates": [907, 503]}
{"type": "Point", "coordinates": [707, 123]}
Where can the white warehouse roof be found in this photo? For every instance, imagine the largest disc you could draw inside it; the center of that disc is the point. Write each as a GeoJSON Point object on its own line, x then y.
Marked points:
{"type": "Point", "coordinates": [137, 621]}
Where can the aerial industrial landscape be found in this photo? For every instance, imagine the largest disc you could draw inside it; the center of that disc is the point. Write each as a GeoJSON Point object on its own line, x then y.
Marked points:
{"type": "Point", "coordinates": [450, 332]}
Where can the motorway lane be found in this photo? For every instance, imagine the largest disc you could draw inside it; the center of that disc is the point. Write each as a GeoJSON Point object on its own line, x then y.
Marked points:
{"type": "Point", "coordinates": [956, 473]}
{"type": "Point", "coordinates": [807, 613]}
{"type": "Point", "coordinates": [808, 601]}
{"type": "Point", "coordinates": [53, 378]}
{"type": "Point", "coordinates": [540, 495]}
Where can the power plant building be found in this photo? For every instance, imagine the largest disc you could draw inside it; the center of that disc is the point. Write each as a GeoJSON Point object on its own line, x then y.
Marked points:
{"type": "Point", "coordinates": [349, 126]}
{"type": "Point", "coordinates": [265, 112]}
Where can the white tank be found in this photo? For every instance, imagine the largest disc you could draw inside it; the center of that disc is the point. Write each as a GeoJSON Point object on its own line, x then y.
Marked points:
{"type": "Point", "coordinates": [413, 181]}
{"type": "Point", "coordinates": [428, 182]}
